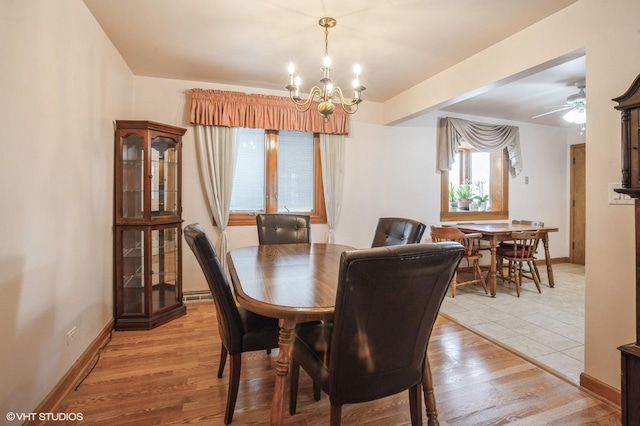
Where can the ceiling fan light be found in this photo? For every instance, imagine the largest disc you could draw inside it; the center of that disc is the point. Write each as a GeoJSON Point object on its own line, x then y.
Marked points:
{"type": "Point", "coordinates": [577, 116]}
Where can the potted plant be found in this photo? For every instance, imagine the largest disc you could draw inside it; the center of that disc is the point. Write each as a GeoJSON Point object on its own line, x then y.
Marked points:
{"type": "Point", "coordinates": [465, 194]}
{"type": "Point", "coordinates": [453, 203]}
{"type": "Point", "coordinates": [482, 199]}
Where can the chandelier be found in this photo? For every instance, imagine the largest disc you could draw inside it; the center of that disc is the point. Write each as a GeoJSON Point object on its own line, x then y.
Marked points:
{"type": "Point", "coordinates": [326, 94]}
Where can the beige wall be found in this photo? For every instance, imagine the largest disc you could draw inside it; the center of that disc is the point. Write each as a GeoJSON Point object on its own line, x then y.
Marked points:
{"type": "Point", "coordinates": [62, 83]}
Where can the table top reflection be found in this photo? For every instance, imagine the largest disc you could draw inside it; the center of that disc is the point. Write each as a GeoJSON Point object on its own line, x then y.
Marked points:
{"type": "Point", "coordinates": [287, 281]}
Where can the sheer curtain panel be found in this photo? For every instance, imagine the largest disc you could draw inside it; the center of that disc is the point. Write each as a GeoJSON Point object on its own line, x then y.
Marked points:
{"type": "Point", "coordinates": [217, 148]}
{"type": "Point", "coordinates": [332, 159]}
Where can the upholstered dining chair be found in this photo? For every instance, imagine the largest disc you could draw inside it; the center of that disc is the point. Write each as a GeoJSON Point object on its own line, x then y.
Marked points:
{"type": "Point", "coordinates": [520, 252]}
{"type": "Point", "coordinates": [387, 301]}
{"type": "Point", "coordinates": [392, 231]}
{"type": "Point", "coordinates": [471, 258]}
{"type": "Point", "coordinates": [240, 330]}
{"type": "Point", "coordinates": [281, 228]}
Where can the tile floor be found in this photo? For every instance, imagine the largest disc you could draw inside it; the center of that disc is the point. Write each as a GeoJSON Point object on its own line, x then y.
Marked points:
{"type": "Point", "coordinates": [548, 328]}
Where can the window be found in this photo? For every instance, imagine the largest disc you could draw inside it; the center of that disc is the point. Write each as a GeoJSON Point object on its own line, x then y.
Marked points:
{"type": "Point", "coordinates": [277, 172]}
{"type": "Point", "coordinates": [487, 174]}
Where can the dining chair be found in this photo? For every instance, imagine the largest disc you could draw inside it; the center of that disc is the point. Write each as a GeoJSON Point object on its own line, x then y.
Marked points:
{"type": "Point", "coordinates": [537, 223]}
{"type": "Point", "coordinates": [520, 252]}
{"type": "Point", "coordinates": [392, 231]}
{"type": "Point", "coordinates": [281, 228]}
{"type": "Point", "coordinates": [240, 330]}
{"type": "Point", "coordinates": [387, 301]}
{"type": "Point", "coordinates": [472, 256]}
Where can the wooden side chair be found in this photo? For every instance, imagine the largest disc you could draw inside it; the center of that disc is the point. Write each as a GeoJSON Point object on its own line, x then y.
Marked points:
{"type": "Point", "coordinates": [471, 258]}
{"type": "Point", "coordinates": [518, 253]}
{"type": "Point", "coordinates": [537, 223]}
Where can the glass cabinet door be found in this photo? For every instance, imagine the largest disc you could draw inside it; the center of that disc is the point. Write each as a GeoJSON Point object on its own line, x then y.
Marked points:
{"type": "Point", "coordinates": [164, 176]}
{"type": "Point", "coordinates": [132, 176]}
{"type": "Point", "coordinates": [164, 264]}
{"type": "Point", "coordinates": [133, 272]}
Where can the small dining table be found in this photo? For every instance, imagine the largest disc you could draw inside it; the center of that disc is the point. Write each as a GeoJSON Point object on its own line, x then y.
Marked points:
{"type": "Point", "coordinates": [496, 232]}
{"type": "Point", "coordinates": [292, 282]}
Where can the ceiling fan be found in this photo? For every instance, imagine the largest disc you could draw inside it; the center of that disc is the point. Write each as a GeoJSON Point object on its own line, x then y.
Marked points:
{"type": "Point", "coordinates": [576, 104]}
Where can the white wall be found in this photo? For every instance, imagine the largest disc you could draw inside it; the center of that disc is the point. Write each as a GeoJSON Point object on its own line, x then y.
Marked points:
{"type": "Point", "coordinates": [391, 171]}
{"type": "Point", "coordinates": [610, 34]}
{"type": "Point", "coordinates": [62, 85]}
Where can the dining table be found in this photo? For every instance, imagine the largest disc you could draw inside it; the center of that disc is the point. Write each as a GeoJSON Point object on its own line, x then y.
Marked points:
{"type": "Point", "coordinates": [292, 282]}
{"type": "Point", "coordinates": [496, 232]}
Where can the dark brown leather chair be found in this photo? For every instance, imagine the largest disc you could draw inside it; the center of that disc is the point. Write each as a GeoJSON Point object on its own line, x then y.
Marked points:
{"type": "Point", "coordinates": [283, 228]}
{"type": "Point", "coordinates": [387, 301]}
{"type": "Point", "coordinates": [240, 330]}
{"type": "Point", "coordinates": [392, 231]}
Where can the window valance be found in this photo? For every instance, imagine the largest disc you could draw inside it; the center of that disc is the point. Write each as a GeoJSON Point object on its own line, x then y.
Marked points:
{"type": "Point", "coordinates": [237, 109]}
{"type": "Point", "coordinates": [483, 137]}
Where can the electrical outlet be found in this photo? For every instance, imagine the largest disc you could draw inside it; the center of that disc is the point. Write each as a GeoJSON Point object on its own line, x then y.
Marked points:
{"type": "Point", "coordinates": [71, 335]}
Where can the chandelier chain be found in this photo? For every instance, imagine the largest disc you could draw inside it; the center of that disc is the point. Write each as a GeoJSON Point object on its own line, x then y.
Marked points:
{"type": "Point", "coordinates": [326, 41]}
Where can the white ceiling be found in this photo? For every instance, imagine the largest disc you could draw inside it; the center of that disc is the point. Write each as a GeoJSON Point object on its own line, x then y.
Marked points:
{"type": "Point", "coordinates": [398, 43]}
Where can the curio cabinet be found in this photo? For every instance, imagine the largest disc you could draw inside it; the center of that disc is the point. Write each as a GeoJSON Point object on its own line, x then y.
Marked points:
{"type": "Point", "coordinates": [147, 224]}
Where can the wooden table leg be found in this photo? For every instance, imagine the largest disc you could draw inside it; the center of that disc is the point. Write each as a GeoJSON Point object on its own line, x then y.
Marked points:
{"type": "Point", "coordinates": [283, 362]}
{"type": "Point", "coordinates": [547, 259]}
{"type": "Point", "coordinates": [492, 267]}
{"type": "Point", "coordinates": [429, 397]}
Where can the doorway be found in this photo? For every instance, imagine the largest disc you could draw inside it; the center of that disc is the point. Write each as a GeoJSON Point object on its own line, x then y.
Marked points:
{"type": "Point", "coordinates": [578, 202]}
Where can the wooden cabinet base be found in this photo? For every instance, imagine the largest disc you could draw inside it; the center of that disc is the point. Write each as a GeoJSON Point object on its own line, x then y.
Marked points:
{"type": "Point", "coordinates": [149, 323]}
{"type": "Point", "coordinates": [630, 371]}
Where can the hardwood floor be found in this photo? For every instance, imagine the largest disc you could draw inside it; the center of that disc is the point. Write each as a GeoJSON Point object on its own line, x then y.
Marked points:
{"type": "Point", "coordinates": [168, 376]}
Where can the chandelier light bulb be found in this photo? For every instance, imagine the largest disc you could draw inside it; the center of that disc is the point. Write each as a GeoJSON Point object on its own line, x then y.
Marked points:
{"type": "Point", "coordinates": [297, 86]}
{"type": "Point", "coordinates": [357, 70]}
{"type": "Point", "coordinates": [327, 61]}
{"type": "Point", "coordinates": [291, 69]}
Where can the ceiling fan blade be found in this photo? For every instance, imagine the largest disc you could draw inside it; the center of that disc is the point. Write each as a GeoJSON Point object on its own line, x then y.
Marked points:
{"type": "Point", "coordinates": [555, 110]}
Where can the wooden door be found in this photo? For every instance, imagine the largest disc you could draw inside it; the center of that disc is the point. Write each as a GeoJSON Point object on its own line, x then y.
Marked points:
{"type": "Point", "coordinates": [578, 198]}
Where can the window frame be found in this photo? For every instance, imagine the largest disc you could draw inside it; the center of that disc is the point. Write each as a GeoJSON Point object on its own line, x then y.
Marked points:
{"type": "Point", "coordinates": [319, 215]}
{"type": "Point", "coordinates": [498, 191]}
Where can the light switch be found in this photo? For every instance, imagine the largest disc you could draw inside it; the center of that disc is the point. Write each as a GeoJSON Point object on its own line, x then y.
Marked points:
{"type": "Point", "coordinates": [616, 198]}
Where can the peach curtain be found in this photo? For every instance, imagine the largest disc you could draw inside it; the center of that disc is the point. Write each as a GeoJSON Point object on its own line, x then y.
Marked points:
{"type": "Point", "coordinates": [237, 109]}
